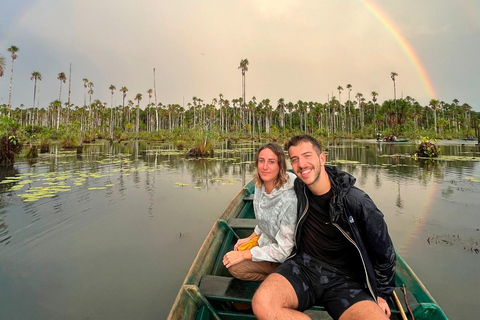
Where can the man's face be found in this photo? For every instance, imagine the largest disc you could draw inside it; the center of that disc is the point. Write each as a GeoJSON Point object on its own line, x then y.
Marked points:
{"type": "Point", "coordinates": [306, 163]}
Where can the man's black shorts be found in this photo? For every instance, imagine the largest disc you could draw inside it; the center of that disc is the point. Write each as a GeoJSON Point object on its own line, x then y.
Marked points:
{"type": "Point", "coordinates": [317, 283]}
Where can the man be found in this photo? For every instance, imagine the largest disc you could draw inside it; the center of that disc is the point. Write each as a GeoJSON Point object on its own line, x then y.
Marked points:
{"type": "Point", "coordinates": [344, 258]}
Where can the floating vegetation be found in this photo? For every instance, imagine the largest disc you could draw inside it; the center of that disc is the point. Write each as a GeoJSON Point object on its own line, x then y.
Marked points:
{"type": "Point", "coordinates": [468, 244]}
{"type": "Point", "coordinates": [37, 193]}
{"type": "Point", "coordinates": [47, 185]}
{"type": "Point", "coordinates": [180, 184]}
{"type": "Point", "coordinates": [345, 161]}
{"type": "Point", "coordinates": [427, 148]}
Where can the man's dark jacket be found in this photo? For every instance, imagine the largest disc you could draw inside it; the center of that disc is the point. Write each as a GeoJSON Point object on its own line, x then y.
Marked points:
{"type": "Point", "coordinates": [359, 219]}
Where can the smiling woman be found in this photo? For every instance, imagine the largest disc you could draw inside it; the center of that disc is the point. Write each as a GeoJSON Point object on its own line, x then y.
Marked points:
{"type": "Point", "coordinates": [275, 204]}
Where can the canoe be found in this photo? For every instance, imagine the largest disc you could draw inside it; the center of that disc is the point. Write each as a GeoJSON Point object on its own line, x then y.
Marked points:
{"type": "Point", "coordinates": [394, 140]}
{"type": "Point", "coordinates": [209, 290]}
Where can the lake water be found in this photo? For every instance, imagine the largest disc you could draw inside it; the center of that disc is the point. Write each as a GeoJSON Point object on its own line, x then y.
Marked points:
{"type": "Point", "coordinates": [111, 234]}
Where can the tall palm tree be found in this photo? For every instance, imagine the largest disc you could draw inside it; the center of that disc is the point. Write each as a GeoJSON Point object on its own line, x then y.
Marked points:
{"type": "Point", "coordinates": [3, 63]}
{"type": "Point", "coordinates": [347, 109]}
{"type": "Point", "coordinates": [359, 97]}
{"type": "Point", "coordinates": [124, 95]}
{"type": "Point", "coordinates": [138, 97]}
{"type": "Point", "coordinates": [244, 67]}
{"type": "Point", "coordinates": [85, 85]}
{"type": "Point", "coordinates": [434, 104]}
{"type": "Point", "coordinates": [112, 90]}
{"type": "Point", "coordinates": [393, 74]}
{"type": "Point", "coordinates": [90, 91]}
{"type": "Point", "coordinates": [150, 93]}
{"type": "Point", "coordinates": [13, 50]}
{"type": "Point", "coordinates": [35, 76]}
{"type": "Point", "coordinates": [63, 78]}
{"type": "Point", "coordinates": [340, 89]}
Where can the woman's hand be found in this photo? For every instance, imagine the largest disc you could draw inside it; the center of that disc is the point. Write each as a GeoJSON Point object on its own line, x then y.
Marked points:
{"type": "Point", "coordinates": [240, 242]}
{"type": "Point", "coordinates": [234, 257]}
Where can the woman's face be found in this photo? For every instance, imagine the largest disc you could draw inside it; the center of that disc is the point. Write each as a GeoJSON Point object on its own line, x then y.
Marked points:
{"type": "Point", "coordinates": [267, 165]}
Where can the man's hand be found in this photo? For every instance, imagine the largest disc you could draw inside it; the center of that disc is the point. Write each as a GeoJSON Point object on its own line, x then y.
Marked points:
{"type": "Point", "coordinates": [384, 306]}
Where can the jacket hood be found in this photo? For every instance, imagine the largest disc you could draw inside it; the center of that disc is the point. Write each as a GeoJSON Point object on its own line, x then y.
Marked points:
{"type": "Point", "coordinates": [341, 183]}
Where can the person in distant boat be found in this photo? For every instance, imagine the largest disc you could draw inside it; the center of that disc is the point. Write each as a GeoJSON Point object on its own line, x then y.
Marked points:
{"type": "Point", "coordinates": [343, 259]}
{"type": "Point", "coordinates": [275, 205]}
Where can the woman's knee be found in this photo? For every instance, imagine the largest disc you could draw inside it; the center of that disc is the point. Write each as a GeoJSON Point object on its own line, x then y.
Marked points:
{"type": "Point", "coordinates": [242, 271]}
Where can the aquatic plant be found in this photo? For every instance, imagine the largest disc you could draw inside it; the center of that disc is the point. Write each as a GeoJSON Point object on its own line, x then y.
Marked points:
{"type": "Point", "coordinates": [32, 152]}
{"type": "Point", "coordinates": [427, 148]}
{"type": "Point", "coordinates": [9, 147]}
{"type": "Point", "coordinates": [203, 149]}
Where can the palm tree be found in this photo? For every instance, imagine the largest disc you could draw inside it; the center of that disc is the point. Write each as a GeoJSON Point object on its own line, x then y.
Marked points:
{"type": "Point", "coordinates": [3, 63]}
{"type": "Point", "coordinates": [138, 97]}
{"type": "Point", "coordinates": [112, 89]}
{"type": "Point", "coordinates": [393, 74]}
{"type": "Point", "coordinates": [281, 112]}
{"type": "Point", "coordinates": [63, 78]}
{"type": "Point", "coordinates": [85, 85]}
{"type": "Point", "coordinates": [13, 50]}
{"type": "Point", "coordinates": [35, 76]}
{"type": "Point", "coordinates": [434, 104]}
{"type": "Point", "coordinates": [90, 91]}
{"type": "Point", "coordinates": [359, 97]}
{"type": "Point", "coordinates": [349, 88]}
{"type": "Point", "coordinates": [340, 89]}
{"type": "Point", "coordinates": [150, 93]}
{"type": "Point", "coordinates": [124, 95]}
{"type": "Point", "coordinates": [244, 67]}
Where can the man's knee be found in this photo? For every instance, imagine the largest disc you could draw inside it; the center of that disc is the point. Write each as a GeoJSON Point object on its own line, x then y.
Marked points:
{"type": "Point", "coordinates": [364, 310]}
{"type": "Point", "coordinates": [273, 294]}
{"type": "Point", "coordinates": [260, 305]}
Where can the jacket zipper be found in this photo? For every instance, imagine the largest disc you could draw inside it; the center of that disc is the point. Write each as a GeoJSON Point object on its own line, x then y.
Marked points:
{"type": "Point", "coordinates": [298, 223]}
{"type": "Point", "coordinates": [363, 262]}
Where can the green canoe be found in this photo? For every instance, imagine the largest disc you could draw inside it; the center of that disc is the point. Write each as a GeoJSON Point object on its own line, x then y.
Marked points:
{"type": "Point", "coordinates": [209, 290]}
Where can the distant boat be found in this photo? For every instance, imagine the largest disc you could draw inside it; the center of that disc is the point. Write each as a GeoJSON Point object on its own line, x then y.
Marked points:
{"type": "Point", "coordinates": [469, 139]}
{"type": "Point", "coordinates": [209, 290]}
{"type": "Point", "coordinates": [393, 139]}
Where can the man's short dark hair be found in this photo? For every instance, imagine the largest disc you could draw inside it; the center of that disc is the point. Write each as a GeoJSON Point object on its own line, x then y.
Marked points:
{"type": "Point", "coordinates": [295, 141]}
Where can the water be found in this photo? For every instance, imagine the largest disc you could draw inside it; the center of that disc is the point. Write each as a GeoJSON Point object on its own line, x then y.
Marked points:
{"type": "Point", "coordinates": [122, 224]}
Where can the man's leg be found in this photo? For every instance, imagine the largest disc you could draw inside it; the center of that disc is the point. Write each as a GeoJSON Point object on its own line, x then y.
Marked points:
{"type": "Point", "coordinates": [364, 310]}
{"type": "Point", "coordinates": [276, 299]}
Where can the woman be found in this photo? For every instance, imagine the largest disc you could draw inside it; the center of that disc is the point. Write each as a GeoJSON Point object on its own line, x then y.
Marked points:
{"type": "Point", "coordinates": [275, 206]}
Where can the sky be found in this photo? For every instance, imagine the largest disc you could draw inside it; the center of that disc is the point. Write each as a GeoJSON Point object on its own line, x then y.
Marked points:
{"type": "Point", "coordinates": [297, 50]}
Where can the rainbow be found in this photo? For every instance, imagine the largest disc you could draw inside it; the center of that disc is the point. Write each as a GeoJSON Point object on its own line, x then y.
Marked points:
{"type": "Point", "coordinates": [406, 46]}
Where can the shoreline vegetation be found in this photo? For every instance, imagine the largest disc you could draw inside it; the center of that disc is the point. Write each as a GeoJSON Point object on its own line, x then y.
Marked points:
{"type": "Point", "coordinates": [200, 124]}
{"type": "Point", "coordinates": [199, 127]}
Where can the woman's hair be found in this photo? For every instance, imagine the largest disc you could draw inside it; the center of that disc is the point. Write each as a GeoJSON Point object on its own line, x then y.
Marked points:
{"type": "Point", "coordinates": [282, 177]}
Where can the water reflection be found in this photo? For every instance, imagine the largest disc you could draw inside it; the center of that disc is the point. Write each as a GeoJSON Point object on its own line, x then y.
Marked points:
{"type": "Point", "coordinates": [125, 220]}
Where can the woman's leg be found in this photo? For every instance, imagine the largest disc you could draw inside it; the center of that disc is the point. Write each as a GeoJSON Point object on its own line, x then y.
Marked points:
{"type": "Point", "coordinates": [252, 271]}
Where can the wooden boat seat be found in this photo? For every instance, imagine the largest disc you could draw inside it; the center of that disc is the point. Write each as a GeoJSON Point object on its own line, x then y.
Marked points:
{"type": "Point", "coordinates": [249, 197]}
{"type": "Point", "coordinates": [242, 223]}
{"type": "Point", "coordinates": [218, 288]}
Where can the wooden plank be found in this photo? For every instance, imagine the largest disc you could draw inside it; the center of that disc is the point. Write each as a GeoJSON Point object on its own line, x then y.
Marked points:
{"type": "Point", "coordinates": [231, 289]}
{"type": "Point", "coordinates": [242, 223]}
{"type": "Point", "coordinates": [228, 288]}
{"type": "Point", "coordinates": [249, 197]}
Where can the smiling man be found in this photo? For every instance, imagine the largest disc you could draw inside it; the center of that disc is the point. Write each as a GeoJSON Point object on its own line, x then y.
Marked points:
{"type": "Point", "coordinates": [343, 257]}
